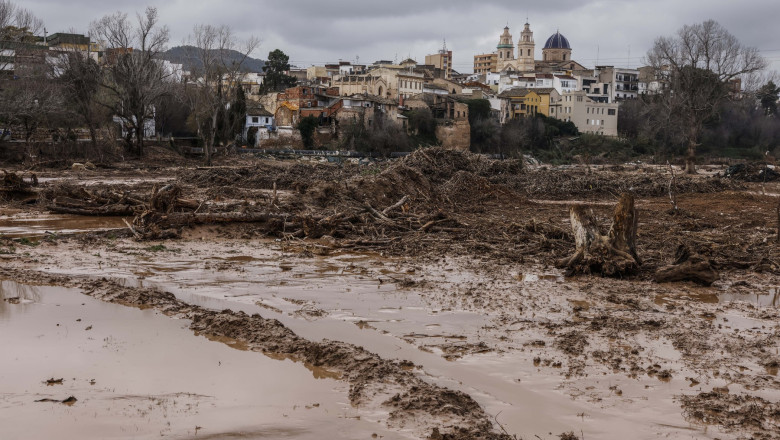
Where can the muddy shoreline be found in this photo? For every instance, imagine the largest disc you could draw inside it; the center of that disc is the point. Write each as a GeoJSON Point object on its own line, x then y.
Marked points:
{"type": "Point", "coordinates": [461, 277]}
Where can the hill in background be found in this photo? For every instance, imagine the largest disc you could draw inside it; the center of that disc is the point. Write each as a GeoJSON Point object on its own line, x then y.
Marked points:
{"type": "Point", "coordinates": [181, 55]}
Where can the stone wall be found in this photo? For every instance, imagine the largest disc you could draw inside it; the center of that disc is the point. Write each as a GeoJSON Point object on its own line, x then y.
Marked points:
{"type": "Point", "coordinates": [454, 135]}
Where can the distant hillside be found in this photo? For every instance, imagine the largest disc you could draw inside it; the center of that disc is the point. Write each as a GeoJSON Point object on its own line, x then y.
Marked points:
{"type": "Point", "coordinates": [180, 54]}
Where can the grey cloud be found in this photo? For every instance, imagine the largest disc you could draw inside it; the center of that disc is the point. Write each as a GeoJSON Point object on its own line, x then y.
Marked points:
{"type": "Point", "coordinates": [315, 31]}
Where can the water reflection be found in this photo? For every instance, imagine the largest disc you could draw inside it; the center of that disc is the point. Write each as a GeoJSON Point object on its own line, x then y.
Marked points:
{"type": "Point", "coordinates": [14, 295]}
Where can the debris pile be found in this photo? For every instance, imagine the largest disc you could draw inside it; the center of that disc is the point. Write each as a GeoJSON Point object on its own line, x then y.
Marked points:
{"type": "Point", "coordinates": [560, 185]}
{"type": "Point", "coordinates": [13, 186]}
{"type": "Point", "coordinates": [752, 172]}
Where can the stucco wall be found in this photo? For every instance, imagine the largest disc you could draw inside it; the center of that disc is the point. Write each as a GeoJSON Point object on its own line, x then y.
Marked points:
{"type": "Point", "coordinates": [455, 135]}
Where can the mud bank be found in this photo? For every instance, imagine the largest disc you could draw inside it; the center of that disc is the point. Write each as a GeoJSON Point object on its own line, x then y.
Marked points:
{"type": "Point", "coordinates": [447, 260]}
{"type": "Point", "coordinates": [381, 385]}
{"type": "Point", "coordinates": [75, 367]}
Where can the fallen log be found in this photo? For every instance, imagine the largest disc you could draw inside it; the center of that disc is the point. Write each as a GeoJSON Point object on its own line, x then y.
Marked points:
{"type": "Point", "coordinates": [613, 254]}
{"type": "Point", "coordinates": [687, 267]}
{"type": "Point", "coordinates": [108, 210]}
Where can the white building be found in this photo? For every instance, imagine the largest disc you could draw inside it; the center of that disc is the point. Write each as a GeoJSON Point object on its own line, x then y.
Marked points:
{"type": "Point", "coordinates": [259, 122]}
{"type": "Point", "coordinates": [587, 115]}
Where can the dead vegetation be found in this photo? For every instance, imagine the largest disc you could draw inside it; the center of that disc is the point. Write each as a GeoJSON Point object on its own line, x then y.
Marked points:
{"type": "Point", "coordinates": [437, 203]}
{"type": "Point", "coordinates": [15, 187]}
{"type": "Point", "coordinates": [431, 201]}
{"type": "Point", "coordinates": [734, 412]}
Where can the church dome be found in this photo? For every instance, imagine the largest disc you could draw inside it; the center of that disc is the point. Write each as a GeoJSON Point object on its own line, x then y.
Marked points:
{"type": "Point", "coordinates": [557, 41]}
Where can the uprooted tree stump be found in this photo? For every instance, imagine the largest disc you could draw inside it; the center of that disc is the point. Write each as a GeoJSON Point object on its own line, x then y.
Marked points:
{"type": "Point", "coordinates": [12, 185]}
{"type": "Point", "coordinates": [613, 254]}
{"type": "Point", "coordinates": [687, 267]}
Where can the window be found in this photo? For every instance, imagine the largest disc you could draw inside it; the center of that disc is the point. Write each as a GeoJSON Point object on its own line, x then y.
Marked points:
{"type": "Point", "coordinates": [611, 112]}
{"type": "Point", "coordinates": [254, 119]}
{"type": "Point", "coordinates": [602, 122]}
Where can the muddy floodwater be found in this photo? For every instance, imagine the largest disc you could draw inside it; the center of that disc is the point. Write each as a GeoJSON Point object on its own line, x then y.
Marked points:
{"type": "Point", "coordinates": [137, 374]}
{"type": "Point", "coordinates": [17, 225]}
{"type": "Point", "coordinates": [360, 299]}
{"type": "Point", "coordinates": [438, 296]}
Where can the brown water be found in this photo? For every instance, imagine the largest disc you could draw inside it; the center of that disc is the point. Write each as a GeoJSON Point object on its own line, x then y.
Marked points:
{"type": "Point", "coordinates": [363, 305]}
{"type": "Point", "coordinates": [37, 225]}
{"type": "Point", "coordinates": [138, 374]}
{"type": "Point", "coordinates": [769, 297]}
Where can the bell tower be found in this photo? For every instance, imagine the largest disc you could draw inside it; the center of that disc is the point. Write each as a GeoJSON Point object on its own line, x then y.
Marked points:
{"type": "Point", "coordinates": [525, 50]}
{"type": "Point", "coordinates": [505, 50]}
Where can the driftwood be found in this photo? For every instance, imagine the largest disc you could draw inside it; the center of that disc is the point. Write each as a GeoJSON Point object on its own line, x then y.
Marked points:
{"type": "Point", "coordinates": [613, 254]}
{"type": "Point", "coordinates": [687, 267]}
{"type": "Point", "coordinates": [13, 185]}
{"type": "Point", "coordinates": [107, 210]}
{"type": "Point", "coordinates": [81, 201]}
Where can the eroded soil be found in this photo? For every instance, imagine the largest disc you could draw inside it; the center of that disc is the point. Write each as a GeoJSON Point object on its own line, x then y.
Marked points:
{"type": "Point", "coordinates": [449, 318]}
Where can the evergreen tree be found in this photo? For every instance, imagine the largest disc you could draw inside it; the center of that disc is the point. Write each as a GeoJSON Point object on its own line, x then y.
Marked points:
{"type": "Point", "coordinates": [276, 80]}
{"type": "Point", "coordinates": [767, 96]}
{"type": "Point", "coordinates": [307, 126]}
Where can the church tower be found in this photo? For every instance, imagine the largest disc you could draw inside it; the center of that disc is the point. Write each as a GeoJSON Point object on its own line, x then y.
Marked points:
{"type": "Point", "coordinates": [506, 50]}
{"type": "Point", "coordinates": [525, 50]}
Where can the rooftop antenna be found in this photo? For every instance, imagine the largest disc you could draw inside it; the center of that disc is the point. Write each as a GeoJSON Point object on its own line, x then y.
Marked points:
{"type": "Point", "coordinates": [395, 60]}
{"type": "Point", "coordinates": [628, 60]}
{"type": "Point", "coordinates": [597, 55]}
{"type": "Point", "coordinates": [357, 59]}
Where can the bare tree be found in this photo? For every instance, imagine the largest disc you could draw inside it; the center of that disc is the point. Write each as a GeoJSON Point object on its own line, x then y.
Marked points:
{"type": "Point", "coordinates": [31, 103]}
{"type": "Point", "coordinates": [698, 66]}
{"type": "Point", "coordinates": [80, 77]}
{"type": "Point", "coordinates": [136, 79]}
{"type": "Point", "coordinates": [17, 26]}
{"type": "Point", "coordinates": [217, 74]}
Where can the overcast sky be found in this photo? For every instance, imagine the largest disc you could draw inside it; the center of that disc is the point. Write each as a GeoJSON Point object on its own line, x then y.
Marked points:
{"type": "Point", "coordinates": [316, 32]}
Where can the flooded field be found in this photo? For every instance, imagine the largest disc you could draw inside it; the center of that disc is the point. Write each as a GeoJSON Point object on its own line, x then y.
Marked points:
{"type": "Point", "coordinates": [425, 299]}
{"type": "Point", "coordinates": [25, 225]}
{"type": "Point", "coordinates": [137, 374]}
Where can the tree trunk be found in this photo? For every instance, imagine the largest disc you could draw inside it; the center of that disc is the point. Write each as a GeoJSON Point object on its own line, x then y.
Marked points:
{"type": "Point", "coordinates": [613, 254]}
{"type": "Point", "coordinates": [139, 137]}
{"type": "Point", "coordinates": [687, 267]}
{"type": "Point", "coordinates": [93, 137]}
{"type": "Point", "coordinates": [210, 144]}
{"type": "Point", "coordinates": [690, 159]}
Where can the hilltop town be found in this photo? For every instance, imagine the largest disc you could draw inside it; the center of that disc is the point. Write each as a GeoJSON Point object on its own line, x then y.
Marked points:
{"type": "Point", "coordinates": [218, 97]}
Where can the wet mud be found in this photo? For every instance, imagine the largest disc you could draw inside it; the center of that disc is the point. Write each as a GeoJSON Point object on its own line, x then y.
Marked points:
{"type": "Point", "coordinates": [449, 319]}
{"type": "Point", "coordinates": [128, 373]}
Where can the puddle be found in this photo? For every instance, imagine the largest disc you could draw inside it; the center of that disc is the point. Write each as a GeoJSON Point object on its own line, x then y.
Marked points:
{"type": "Point", "coordinates": [770, 299]}
{"type": "Point", "coordinates": [138, 374]}
{"type": "Point", "coordinates": [535, 277]}
{"type": "Point", "coordinates": [39, 225]}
